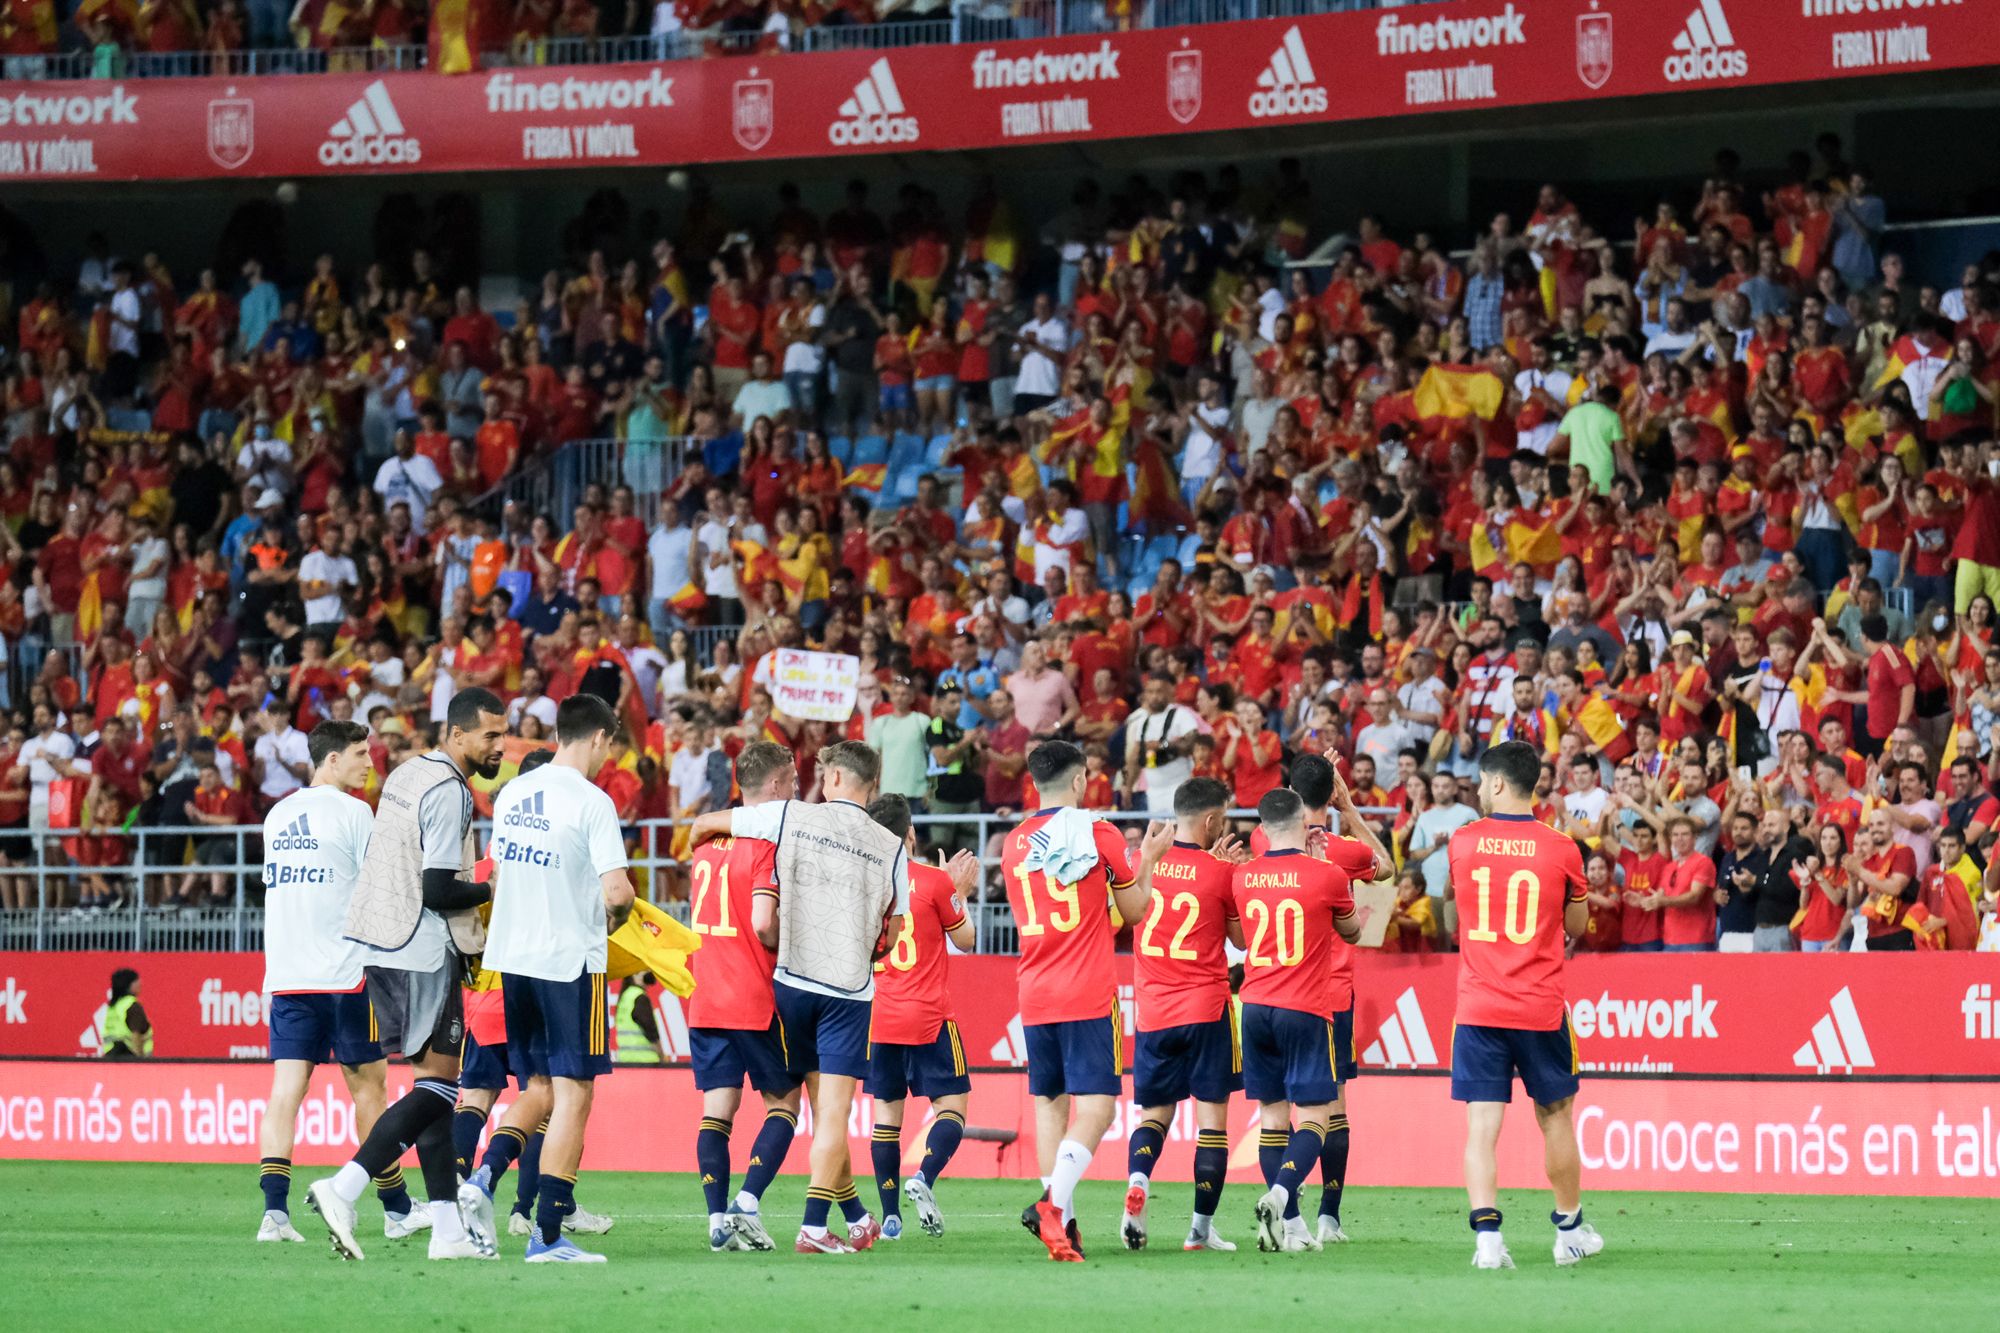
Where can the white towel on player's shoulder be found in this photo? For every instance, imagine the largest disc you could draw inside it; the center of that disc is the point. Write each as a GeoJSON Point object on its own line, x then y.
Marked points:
{"type": "Point", "coordinates": [1066, 846]}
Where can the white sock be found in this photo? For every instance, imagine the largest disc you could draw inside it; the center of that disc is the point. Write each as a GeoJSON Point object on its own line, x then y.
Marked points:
{"type": "Point", "coordinates": [716, 1219]}
{"type": "Point", "coordinates": [1139, 1180]}
{"type": "Point", "coordinates": [1199, 1227]}
{"type": "Point", "coordinates": [817, 1233]}
{"type": "Point", "coordinates": [1072, 1159]}
{"type": "Point", "coordinates": [446, 1224]}
{"type": "Point", "coordinates": [1565, 1221]}
{"type": "Point", "coordinates": [746, 1202]}
{"type": "Point", "coordinates": [350, 1181]}
{"type": "Point", "coordinates": [1046, 1180]}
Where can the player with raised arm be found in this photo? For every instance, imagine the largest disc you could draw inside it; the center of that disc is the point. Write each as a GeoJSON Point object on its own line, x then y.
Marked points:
{"type": "Point", "coordinates": [1064, 868]}
{"type": "Point", "coordinates": [563, 881]}
{"type": "Point", "coordinates": [841, 885]}
{"type": "Point", "coordinates": [1520, 889]}
{"type": "Point", "coordinates": [416, 910]}
{"type": "Point", "coordinates": [1365, 859]}
{"type": "Point", "coordinates": [314, 840]}
{"type": "Point", "coordinates": [913, 1041]}
{"type": "Point", "coordinates": [1185, 1041]}
{"type": "Point", "coordinates": [733, 1031]}
{"type": "Point", "coordinates": [1289, 908]}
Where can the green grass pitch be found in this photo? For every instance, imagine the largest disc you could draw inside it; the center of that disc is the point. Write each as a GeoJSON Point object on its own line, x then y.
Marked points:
{"type": "Point", "coordinates": [152, 1247]}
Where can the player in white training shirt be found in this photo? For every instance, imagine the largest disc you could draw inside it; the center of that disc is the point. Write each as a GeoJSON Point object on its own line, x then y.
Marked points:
{"type": "Point", "coordinates": [560, 881]}
{"type": "Point", "coordinates": [314, 840]}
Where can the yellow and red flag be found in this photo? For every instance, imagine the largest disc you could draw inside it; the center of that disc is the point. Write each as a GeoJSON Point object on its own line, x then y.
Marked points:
{"type": "Point", "coordinates": [1456, 392]}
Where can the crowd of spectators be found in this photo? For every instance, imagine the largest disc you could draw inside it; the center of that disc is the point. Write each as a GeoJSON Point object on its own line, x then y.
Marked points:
{"type": "Point", "coordinates": [366, 33]}
{"type": "Point", "coordinates": [1716, 527]}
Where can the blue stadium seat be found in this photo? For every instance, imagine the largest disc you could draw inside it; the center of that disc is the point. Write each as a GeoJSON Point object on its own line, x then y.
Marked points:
{"type": "Point", "coordinates": [842, 448]}
{"type": "Point", "coordinates": [870, 449]}
{"type": "Point", "coordinates": [1136, 586]}
{"type": "Point", "coordinates": [935, 451]}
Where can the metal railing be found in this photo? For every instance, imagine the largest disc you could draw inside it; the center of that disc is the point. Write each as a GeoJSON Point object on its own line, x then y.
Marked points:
{"type": "Point", "coordinates": [146, 920]}
{"type": "Point", "coordinates": [996, 20]}
{"type": "Point", "coordinates": [556, 483]}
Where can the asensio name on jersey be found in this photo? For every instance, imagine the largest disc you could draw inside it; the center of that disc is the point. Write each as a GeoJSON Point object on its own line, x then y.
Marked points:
{"type": "Point", "coordinates": [314, 841]}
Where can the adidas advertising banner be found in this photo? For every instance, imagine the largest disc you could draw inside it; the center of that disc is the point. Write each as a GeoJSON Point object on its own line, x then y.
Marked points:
{"type": "Point", "coordinates": [1874, 1138]}
{"type": "Point", "coordinates": [1228, 76]}
{"type": "Point", "coordinates": [1818, 1017]}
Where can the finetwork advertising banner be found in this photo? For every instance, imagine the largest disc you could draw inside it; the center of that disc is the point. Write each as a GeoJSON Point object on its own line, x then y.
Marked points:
{"type": "Point", "coordinates": [1315, 69]}
{"type": "Point", "coordinates": [1818, 1016]}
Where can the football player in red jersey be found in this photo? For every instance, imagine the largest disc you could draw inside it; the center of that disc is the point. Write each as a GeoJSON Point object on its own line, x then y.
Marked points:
{"type": "Point", "coordinates": [1063, 870]}
{"type": "Point", "coordinates": [1520, 891]}
{"type": "Point", "coordinates": [1290, 906]}
{"type": "Point", "coordinates": [1185, 1045]}
{"type": "Point", "coordinates": [913, 1041]}
{"type": "Point", "coordinates": [732, 1019]}
{"type": "Point", "coordinates": [1365, 860]}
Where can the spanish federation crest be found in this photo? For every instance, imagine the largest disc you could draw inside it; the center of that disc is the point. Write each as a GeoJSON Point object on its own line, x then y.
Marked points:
{"type": "Point", "coordinates": [1593, 48]}
{"type": "Point", "coordinates": [1184, 85]}
{"type": "Point", "coordinates": [232, 131]}
{"type": "Point", "coordinates": [750, 113]}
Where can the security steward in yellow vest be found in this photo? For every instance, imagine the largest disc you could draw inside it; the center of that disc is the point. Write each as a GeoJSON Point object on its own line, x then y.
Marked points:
{"type": "Point", "coordinates": [636, 1026]}
{"type": "Point", "coordinates": [128, 1032]}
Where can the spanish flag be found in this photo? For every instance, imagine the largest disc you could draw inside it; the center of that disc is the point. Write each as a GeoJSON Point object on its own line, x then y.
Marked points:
{"type": "Point", "coordinates": [867, 477]}
{"type": "Point", "coordinates": [760, 565]}
{"type": "Point", "coordinates": [652, 941]}
{"type": "Point", "coordinates": [1457, 392]}
{"type": "Point", "coordinates": [457, 27]}
{"type": "Point", "coordinates": [1598, 720]}
{"type": "Point", "coordinates": [1156, 499]}
{"type": "Point", "coordinates": [1906, 352]}
{"type": "Point", "coordinates": [689, 601]}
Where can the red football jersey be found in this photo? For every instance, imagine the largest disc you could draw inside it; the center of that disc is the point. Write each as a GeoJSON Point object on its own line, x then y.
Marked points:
{"type": "Point", "coordinates": [1067, 971]}
{"type": "Point", "coordinates": [1638, 925]}
{"type": "Point", "coordinates": [1353, 856]}
{"type": "Point", "coordinates": [1689, 925]}
{"type": "Point", "coordinates": [1180, 965]}
{"type": "Point", "coordinates": [732, 971]}
{"type": "Point", "coordinates": [912, 1000]}
{"type": "Point", "coordinates": [1512, 877]}
{"type": "Point", "coordinates": [1287, 902]}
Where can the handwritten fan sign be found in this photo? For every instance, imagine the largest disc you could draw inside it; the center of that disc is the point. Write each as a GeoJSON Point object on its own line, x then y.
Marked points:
{"type": "Point", "coordinates": [819, 687]}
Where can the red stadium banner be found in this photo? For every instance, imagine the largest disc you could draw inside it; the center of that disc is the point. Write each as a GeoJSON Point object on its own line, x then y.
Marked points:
{"type": "Point", "coordinates": [1843, 1137]}
{"type": "Point", "coordinates": [1906, 1015]}
{"type": "Point", "coordinates": [1312, 70]}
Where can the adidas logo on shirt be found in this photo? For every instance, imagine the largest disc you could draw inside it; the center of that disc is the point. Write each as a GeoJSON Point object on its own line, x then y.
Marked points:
{"type": "Point", "coordinates": [1288, 87]}
{"type": "Point", "coordinates": [1404, 1041]}
{"type": "Point", "coordinates": [370, 134]}
{"type": "Point", "coordinates": [874, 113]}
{"type": "Point", "coordinates": [1705, 48]}
{"type": "Point", "coordinates": [296, 836]}
{"type": "Point", "coordinates": [528, 814]}
{"type": "Point", "coordinates": [1837, 1039]}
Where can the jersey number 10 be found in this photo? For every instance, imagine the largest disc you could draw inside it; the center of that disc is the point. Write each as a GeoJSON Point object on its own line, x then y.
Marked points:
{"type": "Point", "coordinates": [1524, 897]}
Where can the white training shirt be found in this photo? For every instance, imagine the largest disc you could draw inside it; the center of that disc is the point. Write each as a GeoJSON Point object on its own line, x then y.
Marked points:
{"type": "Point", "coordinates": [314, 841]}
{"type": "Point", "coordinates": [554, 833]}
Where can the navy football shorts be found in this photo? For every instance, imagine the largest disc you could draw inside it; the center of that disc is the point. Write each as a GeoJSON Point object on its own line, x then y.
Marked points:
{"type": "Point", "coordinates": [823, 1034]}
{"type": "Point", "coordinates": [1084, 1057]}
{"type": "Point", "coordinates": [317, 1028]}
{"type": "Point", "coordinates": [931, 1069]}
{"type": "Point", "coordinates": [1485, 1060]}
{"type": "Point", "coordinates": [1199, 1060]}
{"type": "Point", "coordinates": [1287, 1056]}
{"type": "Point", "coordinates": [556, 1029]}
{"type": "Point", "coordinates": [724, 1057]}
{"type": "Point", "coordinates": [482, 1067]}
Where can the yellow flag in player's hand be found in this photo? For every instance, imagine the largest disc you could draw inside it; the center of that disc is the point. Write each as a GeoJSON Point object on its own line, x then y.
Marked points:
{"type": "Point", "coordinates": [652, 941]}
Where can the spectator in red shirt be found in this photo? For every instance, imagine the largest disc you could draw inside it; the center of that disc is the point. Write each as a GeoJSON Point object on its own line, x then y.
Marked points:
{"type": "Point", "coordinates": [1885, 871]}
{"type": "Point", "coordinates": [1005, 748]}
{"type": "Point", "coordinates": [1892, 687]}
{"type": "Point", "coordinates": [213, 804]}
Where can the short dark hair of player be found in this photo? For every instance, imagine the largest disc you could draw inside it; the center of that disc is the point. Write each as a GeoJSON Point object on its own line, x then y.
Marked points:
{"type": "Point", "coordinates": [533, 760]}
{"type": "Point", "coordinates": [581, 716]}
{"type": "Point", "coordinates": [892, 812]}
{"type": "Point", "coordinates": [1832, 763]}
{"type": "Point", "coordinates": [1312, 778]}
{"type": "Point", "coordinates": [1518, 763]}
{"type": "Point", "coordinates": [1052, 763]}
{"type": "Point", "coordinates": [468, 706]}
{"type": "Point", "coordinates": [759, 760]}
{"type": "Point", "coordinates": [855, 759]}
{"type": "Point", "coordinates": [330, 738]}
{"type": "Point", "coordinates": [1875, 628]}
{"type": "Point", "coordinates": [1281, 808]}
{"type": "Point", "coordinates": [1198, 796]}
